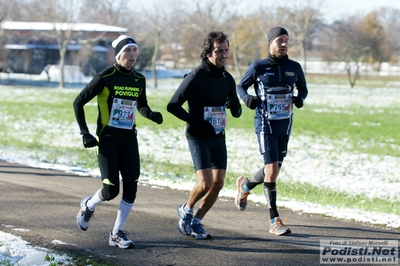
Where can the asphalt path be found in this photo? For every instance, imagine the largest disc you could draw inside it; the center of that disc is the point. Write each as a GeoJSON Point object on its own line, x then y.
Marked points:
{"type": "Point", "coordinates": [45, 204]}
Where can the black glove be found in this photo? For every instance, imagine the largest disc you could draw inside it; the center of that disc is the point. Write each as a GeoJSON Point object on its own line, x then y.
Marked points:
{"type": "Point", "coordinates": [251, 101]}
{"type": "Point", "coordinates": [89, 141]}
{"type": "Point", "coordinates": [203, 129]}
{"type": "Point", "coordinates": [297, 101]}
{"type": "Point", "coordinates": [156, 117]}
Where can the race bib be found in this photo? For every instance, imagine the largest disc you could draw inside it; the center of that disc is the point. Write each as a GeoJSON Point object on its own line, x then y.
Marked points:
{"type": "Point", "coordinates": [216, 115]}
{"type": "Point", "coordinates": [123, 114]}
{"type": "Point", "coordinates": [279, 106]}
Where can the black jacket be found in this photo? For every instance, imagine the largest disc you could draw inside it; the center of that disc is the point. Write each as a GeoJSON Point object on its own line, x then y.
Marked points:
{"type": "Point", "coordinates": [206, 85]}
{"type": "Point", "coordinates": [113, 82]}
{"type": "Point", "coordinates": [273, 76]}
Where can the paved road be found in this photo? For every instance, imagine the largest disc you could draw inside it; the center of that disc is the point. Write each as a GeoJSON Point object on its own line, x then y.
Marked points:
{"type": "Point", "coordinates": [46, 202]}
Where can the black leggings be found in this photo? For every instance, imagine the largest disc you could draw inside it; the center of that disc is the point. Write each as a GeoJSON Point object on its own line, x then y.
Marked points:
{"type": "Point", "coordinates": [119, 156]}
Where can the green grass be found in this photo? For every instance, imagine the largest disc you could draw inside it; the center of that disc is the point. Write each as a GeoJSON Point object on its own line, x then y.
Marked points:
{"type": "Point", "coordinates": [359, 131]}
{"type": "Point", "coordinates": [27, 117]}
{"type": "Point", "coordinates": [75, 261]}
{"type": "Point", "coordinates": [379, 131]}
{"type": "Point", "coordinates": [364, 81]}
{"type": "Point", "coordinates": [302, 192]}
{"type": "Point", "coordinates": [6, 262]}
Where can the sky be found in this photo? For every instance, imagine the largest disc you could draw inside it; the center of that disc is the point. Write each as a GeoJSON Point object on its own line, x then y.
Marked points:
{"type": "Point", "coordinates": [339, 8]}
{"type": "Point", "coordinates": [333, 9]}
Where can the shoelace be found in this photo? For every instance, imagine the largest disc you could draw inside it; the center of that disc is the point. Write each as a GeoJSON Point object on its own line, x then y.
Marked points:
{"type": "Point", "coordinates": [243, 193]}
{"type": "Point", "coordinates": [279, 222]}
{"type": "Point", "coordinates": [123, 235]}
{"type": "Point", "coordinates": [87, 214]}
{"type": "Point", "coordinates": [188, 216]}
{"type": "Point", "coordinates": [199, 228]}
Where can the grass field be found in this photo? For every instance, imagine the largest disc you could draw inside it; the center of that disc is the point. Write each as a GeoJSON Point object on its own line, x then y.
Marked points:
{"type": "Point", "coordinates": [39, 124]}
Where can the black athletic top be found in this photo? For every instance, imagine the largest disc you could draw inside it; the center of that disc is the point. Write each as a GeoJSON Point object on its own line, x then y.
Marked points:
{"type": "Point", "coordinates": [273, 78]}
{"type": "Point", "coordinates": [204, 86]}
{"type": "Point", "coordinates": [115, 82]}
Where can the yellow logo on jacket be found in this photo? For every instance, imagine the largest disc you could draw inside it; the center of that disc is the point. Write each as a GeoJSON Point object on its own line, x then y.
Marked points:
{"type": "Point", "coordinates": [290, 74]}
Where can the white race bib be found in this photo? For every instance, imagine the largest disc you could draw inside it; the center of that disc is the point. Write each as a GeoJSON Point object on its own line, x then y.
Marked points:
{"type": "Point", "coordinates": [216, 115]}
{"type": "Point", "coordinates": [279, 106]}
{"type": "Point", "coordinates": [123, 113]}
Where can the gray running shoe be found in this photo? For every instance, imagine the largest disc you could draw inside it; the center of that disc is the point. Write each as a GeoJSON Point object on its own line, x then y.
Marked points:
{"type": "Point", "coordinates": [84, 215]}
{"type": "Point", "coordinates": [185, 220]}
{"type": "Point", "coordinates": [199, 233]}
{"type": "Point", "coordinates": [121, 240]}
{"type": "Point", "coordinates": [278, 228]}
{"type": "Point", "coordinates": [241, 197]}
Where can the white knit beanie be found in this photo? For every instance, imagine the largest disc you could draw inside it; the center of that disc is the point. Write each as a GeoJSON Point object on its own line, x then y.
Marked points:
{"type": "Point", "coordinates": [121, 43]}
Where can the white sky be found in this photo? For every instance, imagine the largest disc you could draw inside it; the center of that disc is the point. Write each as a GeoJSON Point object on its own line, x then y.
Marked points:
{"type": "Point", "coordinates": [333, 9]}
{"type": "Point", "coordinates": [340, 8]}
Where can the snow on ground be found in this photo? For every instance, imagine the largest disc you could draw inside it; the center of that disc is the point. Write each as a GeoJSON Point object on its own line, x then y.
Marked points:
{"type": "Point", "coordinates": [16, 251]}
{"type": "Point", "coordinates": [325, 163]}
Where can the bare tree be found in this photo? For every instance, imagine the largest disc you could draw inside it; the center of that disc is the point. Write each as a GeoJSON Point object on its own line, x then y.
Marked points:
{"type": "Point", "coordinates": [203, 16]}
{"type": "Point", "coordinates": [62, 17]}
{"type": "Point", "coordinates": [246, 41]}
{"type": "Point", "coordinates": [376, 37]}
{"type": "Point", "coordinates": [8, 9]}
{"type": "Point", "coordinates": [109, 12]}
{"type": "Point", "coordinates": [389, 18]}
{"type": "Point", "coordinates": [304, 23]}
{"type": "Point", "coordinates": [347, 42]}
{"type": "Point", "coordinates": [4, 6]}
{"type": "Point", "coordinates": [157, 23]}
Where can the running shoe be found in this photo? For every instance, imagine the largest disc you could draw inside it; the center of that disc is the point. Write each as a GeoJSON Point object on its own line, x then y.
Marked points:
{"type": "Point", "coordinates": [121, 240]}
{"type": "Point", "coordinates": [84, 215]}
{"type": "Point", "coordinates": [199, 233]}
{"type": "Point", "coordinates": [278, 228]}
{"type": "Point", "coordinates": [241, 197]}
{"type": "Point", "coordinates": [185, 220]}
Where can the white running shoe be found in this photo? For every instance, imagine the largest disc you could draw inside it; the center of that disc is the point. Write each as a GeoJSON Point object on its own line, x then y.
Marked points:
{"type": "Point", "coordinates": [121, 240]}
{"type": "Point", "coordinates": [185, 221]}
{"type": "Point", "coordinates": [84, 215]}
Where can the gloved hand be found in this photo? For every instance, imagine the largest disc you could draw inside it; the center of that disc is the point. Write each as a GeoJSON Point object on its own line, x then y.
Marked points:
{"type": "Point", "coordinates": [156, 117]}
{"type": "Point", "coordinates": [251, 101]}
{"type": "Point", "coordinates": [297, 101]}
{"type": "Point", "coordinates": [89, 141]}
{"type": "Point", "coordinates": [203, 129]}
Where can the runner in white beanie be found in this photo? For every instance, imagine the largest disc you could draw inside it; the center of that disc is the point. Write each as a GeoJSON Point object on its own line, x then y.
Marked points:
{"type": "Point", "coordinates": [120, 92]}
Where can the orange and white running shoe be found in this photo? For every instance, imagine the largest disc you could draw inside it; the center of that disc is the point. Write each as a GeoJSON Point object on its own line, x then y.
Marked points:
{"type": "Point", "coordinates": [278, 228]}
{"type": "Point", "coordinates": [241, 197]}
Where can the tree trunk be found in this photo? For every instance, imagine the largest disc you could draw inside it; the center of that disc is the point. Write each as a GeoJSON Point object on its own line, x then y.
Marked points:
{"type": "Point", "coordinates": [236, 55]}
{"type": "Point", "coordinates": [353, 80]}
{"type": "Point", "coordinates": [304, 53]}
{"type": "Point", "coordinates": [63, 50]}
{"type": "Point", "coordinates": [154, 58]}
{"type": "Point", "coordinates": [348, 70]}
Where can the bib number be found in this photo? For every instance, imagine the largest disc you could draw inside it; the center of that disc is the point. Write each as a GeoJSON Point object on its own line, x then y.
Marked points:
{"type": "Point", "coordinates": [279, 106]}
{"type": "Point", "coordinates": [123, 114]}
{"type": "Point", "coordinates": [216, 116]}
